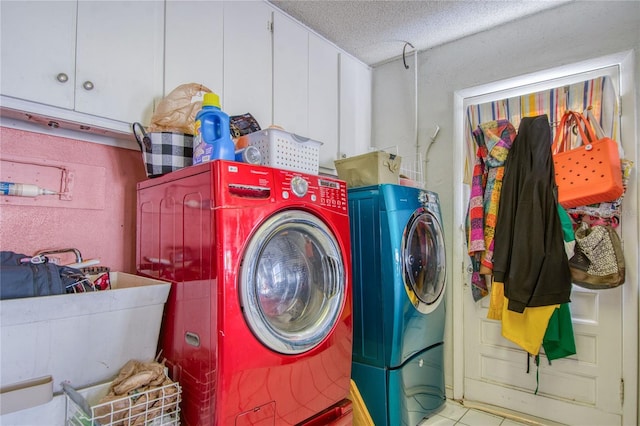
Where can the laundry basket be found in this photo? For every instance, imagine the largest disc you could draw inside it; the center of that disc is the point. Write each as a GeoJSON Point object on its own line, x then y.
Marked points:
{"type": "Point", "coordinates": [411, 172]}
{"type": "Point", "coordinates": [372, 168]}
{"type": "Point", "coordinates": [159, 406]}
{"type": "Point", "coordinates": [286, 150]}
{"type": "Point", "coordinates": [163, 152]}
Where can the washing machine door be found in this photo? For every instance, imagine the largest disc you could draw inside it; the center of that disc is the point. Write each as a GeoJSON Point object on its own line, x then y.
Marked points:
{"type": "Point", "coordinates": [424, 260]}
{"type": "Point", "coordinates": [292, 282]}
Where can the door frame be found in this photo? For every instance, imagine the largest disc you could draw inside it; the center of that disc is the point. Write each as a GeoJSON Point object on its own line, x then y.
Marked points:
{"type": "Point", "coordinates": [626, 63]}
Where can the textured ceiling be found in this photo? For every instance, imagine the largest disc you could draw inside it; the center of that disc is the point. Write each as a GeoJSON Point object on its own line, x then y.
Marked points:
{"type": "Point", "coordinates": [375, 31]}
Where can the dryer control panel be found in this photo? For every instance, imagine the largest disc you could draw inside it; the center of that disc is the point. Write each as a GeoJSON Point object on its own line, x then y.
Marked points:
{"type": "Point", "coordinates": [320, 190]}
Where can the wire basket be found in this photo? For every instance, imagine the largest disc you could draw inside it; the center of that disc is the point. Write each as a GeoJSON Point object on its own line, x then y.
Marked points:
{"type": "Point", "coordinates": [411, 167]}
{"type": "Point", "coordinates": [411, 173]}
{"type": "Point", "coordinates": [157, 406]}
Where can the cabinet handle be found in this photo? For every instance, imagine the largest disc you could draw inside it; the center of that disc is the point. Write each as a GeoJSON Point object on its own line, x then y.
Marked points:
{"type": "Point", "coordinates": [62, 77]}
{"type": "Point", "coordinates": [87, 85]}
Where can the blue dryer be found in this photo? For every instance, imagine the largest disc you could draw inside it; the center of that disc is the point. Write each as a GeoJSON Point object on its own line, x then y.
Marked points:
{"type": "Point", "coordinates": [399, 274]}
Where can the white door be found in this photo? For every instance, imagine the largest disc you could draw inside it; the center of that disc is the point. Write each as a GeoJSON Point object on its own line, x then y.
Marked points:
{"type": "Point", "coordinates": [584, 389]}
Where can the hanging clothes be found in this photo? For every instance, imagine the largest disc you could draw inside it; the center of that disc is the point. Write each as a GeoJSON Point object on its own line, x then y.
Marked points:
{"type": "Point", "coordinates": [558, 341]}
{"type": "Point", "coordinates": [599, 93]}
{"type": "Point", "coordinates": [551, 328]}
{"type": "Point", "coordinates": [526, 329]}
{"type": "Point", "coordinates": [494, 140]}
{"type": "Point", "coordinates": [529, 256]}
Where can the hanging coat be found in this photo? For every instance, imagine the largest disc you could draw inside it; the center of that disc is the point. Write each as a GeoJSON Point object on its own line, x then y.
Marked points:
{"type": "Point", "coordinates": [529, 256]}
{"type": "Point", "coordinates": [494, 139]}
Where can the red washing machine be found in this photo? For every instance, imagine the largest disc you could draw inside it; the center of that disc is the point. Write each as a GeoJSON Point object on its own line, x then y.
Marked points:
{"type": "Point", "coordinates": [258, 325]}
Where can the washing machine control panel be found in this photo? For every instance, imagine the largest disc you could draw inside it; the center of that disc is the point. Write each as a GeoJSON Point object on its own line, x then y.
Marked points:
{"type": "Point", "coordinates": [333, 193]}
{"type": "Point", "coordinates": [320, 190]}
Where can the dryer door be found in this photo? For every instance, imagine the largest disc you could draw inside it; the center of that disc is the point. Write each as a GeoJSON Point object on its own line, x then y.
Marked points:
{"type": "Point", "coordinates": [424, 260]}
{"type": "Point", "coordinates": [292, 282]}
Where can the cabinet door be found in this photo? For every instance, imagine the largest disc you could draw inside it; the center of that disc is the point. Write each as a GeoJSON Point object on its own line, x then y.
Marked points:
{"type": "Point", "coordinates": [38, 51]}
{"type": "Point", "coordinates": [193, 44]}
{"type": "Point", "coordinates": [290, 75]}
{"type": "Point", "coordinates": [247, 60]}
{"type": "Point", "coordinates": [323, 98]}
{"type": "Point", "coordinates": [355, 107]}
{"type": "Point", "coordinates": [119, 58]}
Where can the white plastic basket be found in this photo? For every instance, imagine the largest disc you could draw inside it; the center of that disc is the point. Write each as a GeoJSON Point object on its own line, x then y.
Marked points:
{"type": "Point", "coordinates": [158, 406]}
{"type": "Point", "coordinates": [286, 150]}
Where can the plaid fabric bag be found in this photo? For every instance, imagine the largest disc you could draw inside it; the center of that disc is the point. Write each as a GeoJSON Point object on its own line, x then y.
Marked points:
{"type": "Point", "coordinates": [164, 152]}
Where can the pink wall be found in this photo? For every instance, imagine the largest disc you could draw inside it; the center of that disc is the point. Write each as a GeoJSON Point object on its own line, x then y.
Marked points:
{"type": "Point", "coordinates": [101, 219]}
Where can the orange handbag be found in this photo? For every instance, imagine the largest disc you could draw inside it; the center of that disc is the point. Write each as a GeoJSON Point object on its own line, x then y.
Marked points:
{"type": "Point", "coordinates": [590, 173]}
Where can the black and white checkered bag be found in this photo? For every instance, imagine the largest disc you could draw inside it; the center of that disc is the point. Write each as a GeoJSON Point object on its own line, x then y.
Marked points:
{"type": "Point", "coordinates": [164, 152]}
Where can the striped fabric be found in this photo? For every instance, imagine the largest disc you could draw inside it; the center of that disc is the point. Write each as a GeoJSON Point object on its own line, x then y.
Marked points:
{"type": "Point", "coordinates": [598, 93]}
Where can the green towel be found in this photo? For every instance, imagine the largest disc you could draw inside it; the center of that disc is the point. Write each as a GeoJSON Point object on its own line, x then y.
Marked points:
{"type": "Point", "coordinates": [558, 341]}
{"type": "Point", "coordinates": [567, 224]}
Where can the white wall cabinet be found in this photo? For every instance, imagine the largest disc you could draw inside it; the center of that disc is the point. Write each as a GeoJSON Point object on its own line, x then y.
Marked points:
{"type": "Point", "coordinates": [323, 98]}
{"type": "Point", "coordinates": [247, 60]}
{"type": "Point", "coordinates": [355, 107]}
{"type": "Point", "coordinates": [38, 51]}
{"type": "Point", "coordinates": [194, 44]}
{"type": "Point", "coordinates": [107, 63]}
{"type": "Point", "coordinates": [119, 57]}
{"type": "Point", "coordinates": [290, 75]}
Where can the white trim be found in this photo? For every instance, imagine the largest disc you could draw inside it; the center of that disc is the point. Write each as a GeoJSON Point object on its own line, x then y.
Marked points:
{"type": "Point", "coordinates": [34, 117]}
{"type": "Point", "coordinates": [458, 277]}
{"type": "Point", "coordinates": [542, 80]}
{"type": "Point", "coordinates": [520, 401]}
{"type": "Point", "coordinates": [631, 300]}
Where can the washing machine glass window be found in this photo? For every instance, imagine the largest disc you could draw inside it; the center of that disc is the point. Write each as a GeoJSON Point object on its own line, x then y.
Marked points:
{"type": "Point", "coordinates": [424, 261]}
{"type": "Point", "coordinates": [292, 282]}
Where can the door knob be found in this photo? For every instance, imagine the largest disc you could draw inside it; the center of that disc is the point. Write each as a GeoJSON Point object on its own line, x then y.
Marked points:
{"type": "Point", "coordinates": [62, 77]}
{"type": "Point", "coordinates": [87, 85]}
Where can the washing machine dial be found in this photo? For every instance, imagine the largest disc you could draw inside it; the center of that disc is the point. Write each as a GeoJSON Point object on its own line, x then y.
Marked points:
{"type": "Point", "coordinates": [299, 186]}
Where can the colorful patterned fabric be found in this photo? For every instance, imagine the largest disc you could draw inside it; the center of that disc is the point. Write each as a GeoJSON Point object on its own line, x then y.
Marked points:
{"type": "Point", "coordinates": [494, 139]}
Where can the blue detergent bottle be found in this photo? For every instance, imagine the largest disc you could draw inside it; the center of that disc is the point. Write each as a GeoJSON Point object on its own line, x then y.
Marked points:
{"type": "Point", "coordinates": [212, 139]}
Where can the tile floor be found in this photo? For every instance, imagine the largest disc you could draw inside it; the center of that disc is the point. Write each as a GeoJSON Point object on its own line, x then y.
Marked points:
{"type": "Point", "coordinates": [454, 413]}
